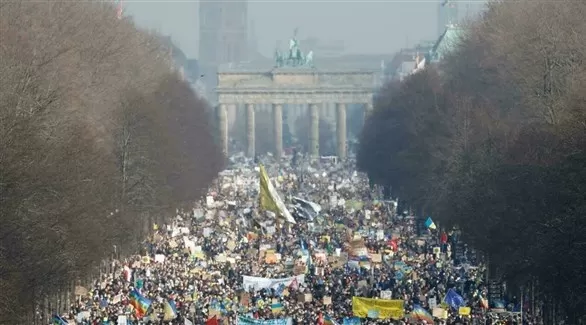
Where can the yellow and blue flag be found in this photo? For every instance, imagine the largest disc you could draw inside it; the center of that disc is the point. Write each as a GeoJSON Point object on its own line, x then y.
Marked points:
{"type": "Point", "coordinates": [329, 321]}
{"type": "Point", "coordinates": [430, 224]}
{"type": "Point", "coordinates": [277, 308]}
{"type": "Point", "coordinates": [170, 310]}
{"type": "Point", "coordinates": [419, 313]}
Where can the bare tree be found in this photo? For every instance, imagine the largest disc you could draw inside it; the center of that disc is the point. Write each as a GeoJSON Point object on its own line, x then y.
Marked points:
{"type": "Point", "coordinates": [97, 132]}
{"type": "Point", "coordinates": [503, 156]}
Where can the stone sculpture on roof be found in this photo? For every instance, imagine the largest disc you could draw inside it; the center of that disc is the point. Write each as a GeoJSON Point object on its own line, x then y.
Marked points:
{"type": "Point", "coordinates": [295, 57]}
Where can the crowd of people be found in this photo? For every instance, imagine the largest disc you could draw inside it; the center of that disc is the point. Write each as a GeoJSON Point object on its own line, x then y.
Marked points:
{"type": "Point", "coordinates": [230, 261]}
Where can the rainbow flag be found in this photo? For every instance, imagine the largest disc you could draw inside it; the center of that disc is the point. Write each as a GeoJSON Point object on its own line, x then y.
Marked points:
{"type": "Point", "coordinates": [329, 321]}
{"type": "Point", "coordinates": [141, 304]}
{"type": "Point", "coordinates": [421, 314]}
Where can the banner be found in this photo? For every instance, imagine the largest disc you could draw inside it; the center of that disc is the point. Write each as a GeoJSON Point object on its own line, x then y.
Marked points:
{"type": "Point", "coordinates": [256, 283]}
{"type": "Point", "coordinates": [242, 320]}
{"type": "Point", "coordinates": [270, 199]}
{"type": "Point", "coordinates": [377, 308]}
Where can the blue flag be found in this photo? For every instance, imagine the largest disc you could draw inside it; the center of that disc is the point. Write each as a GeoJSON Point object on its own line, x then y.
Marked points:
{"type": "Point", "coordinates": [280, 289]}
{"type": "Point", "coordinates": [453, 299]}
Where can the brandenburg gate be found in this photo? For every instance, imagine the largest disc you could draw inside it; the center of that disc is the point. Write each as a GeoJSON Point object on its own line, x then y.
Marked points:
{"type": "Point", "coordinates": [293, 80]}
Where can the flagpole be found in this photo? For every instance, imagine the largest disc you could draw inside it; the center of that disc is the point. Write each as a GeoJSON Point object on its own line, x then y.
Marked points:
{"type": "Point", "coordinates": [521, 304]}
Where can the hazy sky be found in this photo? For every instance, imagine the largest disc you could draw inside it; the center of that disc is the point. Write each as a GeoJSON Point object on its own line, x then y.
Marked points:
{"type": "Point", "coordinates": [365, 26]}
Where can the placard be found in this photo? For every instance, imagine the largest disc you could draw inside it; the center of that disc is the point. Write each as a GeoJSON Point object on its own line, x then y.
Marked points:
{"type": "Point", "coordinates": [209, 201]}
{"type": "Point", "coordinates": [271, 258]}
{"type": "Point", "coordinates": [440, 313]}
{"type": "Point", "coordinates": [376, 258]}
{"type": "Point", "coordinates": [304, 297]}
{"type": "Point", "coordinates": [464, 311]}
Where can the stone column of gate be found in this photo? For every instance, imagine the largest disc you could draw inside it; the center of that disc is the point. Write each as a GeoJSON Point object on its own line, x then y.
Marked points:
{"type": "Point", "coordinates": [278, 129]}
{"type": "Point", "coordinates": [314, 130]}
{"type": "Point", "coordinates": [222, 113]}
{"type": "Point", "coordinates": [367, 110]}
{"type": "Point", "coordinates": [250, 131]}
{"type": "Point", "coordinates": [341, 131]}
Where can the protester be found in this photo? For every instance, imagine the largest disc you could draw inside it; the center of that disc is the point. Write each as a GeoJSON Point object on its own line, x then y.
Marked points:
{"type": "Point", "coordinates": [228, 258]}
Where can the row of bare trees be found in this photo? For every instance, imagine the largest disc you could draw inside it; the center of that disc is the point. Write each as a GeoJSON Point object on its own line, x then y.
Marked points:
{"type": "Point", "coordinates": [98, 137]}
{"type": "Point", "coordinates": [493, 140]}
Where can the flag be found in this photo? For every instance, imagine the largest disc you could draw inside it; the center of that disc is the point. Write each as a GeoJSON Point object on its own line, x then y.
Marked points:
{"type": "Point", "coordinates": [58, 320]}
{"type": "Point", "coordinates": [294, 285]}
{"type": "Point", "coordinates": [430, 224]}
{"type": "Point", "coordinates": [453, 299]}
{"type": "Point", "coordinates": [280, 289]}
{"type": "Point", "coordinates": [277, 308]}
{"type": "Point", "coordinates": [141, 304]}
{"type": "Point", "coordinates": [329, 321]}
{"type": "Point", "coordinates": [152, 316]}
{"type": "Point", "coordinates": [170, 310]}
{"type": "Point", "coordinates": [306, 209]}
{"type": "Point", "coordinates": [270, 199]}
{"type": "Point", "coordinates": [213, 321]}
{"type": "Point", "coordinates": [483, 303]}
{"type": "Point", "coordinates": [419, 313]}
{"type": "Point", "coordinates": [218, 307]}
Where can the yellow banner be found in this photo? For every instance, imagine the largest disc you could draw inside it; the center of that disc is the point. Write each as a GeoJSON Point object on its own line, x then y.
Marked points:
{"type": "Point", "coordinates": [378, 308]}
{"type": "Point", "coordinates": [464, 311]}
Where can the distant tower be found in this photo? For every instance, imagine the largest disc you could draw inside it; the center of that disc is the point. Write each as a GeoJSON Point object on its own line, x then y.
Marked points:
{"type": "Point", "coordinates": [252, 41]}
{"type": "Point", "coordinates": [447, 15]}
{"type": "Point", "coordinates": [223, 32]}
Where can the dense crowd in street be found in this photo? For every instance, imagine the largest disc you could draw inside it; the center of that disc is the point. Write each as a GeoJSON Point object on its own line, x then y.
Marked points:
{"type": "Point", "coordinates": [229, 261]}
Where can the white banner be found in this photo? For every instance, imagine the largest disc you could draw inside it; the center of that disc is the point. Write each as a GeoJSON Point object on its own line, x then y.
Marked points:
{"type": "Point", "coordinates": [256, 283]}
{"type": "Point", "coordinates": [251, 321]}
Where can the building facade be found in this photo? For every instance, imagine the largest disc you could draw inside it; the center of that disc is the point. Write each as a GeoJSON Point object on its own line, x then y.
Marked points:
{"type": "Point", "coordinates": [223, 32]}
{"type": "Point", "coordinates": [452, 12]}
